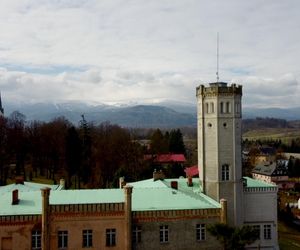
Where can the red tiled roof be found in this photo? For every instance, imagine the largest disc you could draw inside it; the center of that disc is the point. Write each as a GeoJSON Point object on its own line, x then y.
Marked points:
{"type": "Point", "coordinates": [165, 158]}
{"type": "Point", "coordinates": [192, 171]}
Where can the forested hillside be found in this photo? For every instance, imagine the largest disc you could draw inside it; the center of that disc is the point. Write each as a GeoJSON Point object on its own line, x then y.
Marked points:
{"type": "Point", "coordinates": [86, 156]}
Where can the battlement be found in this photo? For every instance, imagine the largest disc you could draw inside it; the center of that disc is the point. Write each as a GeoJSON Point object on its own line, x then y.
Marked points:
{"type": "Point", "coordinates": [219, 88]}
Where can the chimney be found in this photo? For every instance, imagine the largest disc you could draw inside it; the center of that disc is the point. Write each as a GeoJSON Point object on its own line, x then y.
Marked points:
{"type": "Point", "coordinates": [190, 181]}
{"type": "Point", "coordinates": [122, 182]}
{"type": "Point", "coordinates": [158, 175]}
{"type": "Point", "coordinates": [62, 183]}
{"type": "Point", "coordinates": [174, 185]}
{"type": "Point", "coordinates": [128, 216]}
{"type": "Point", "coordinates": [20, 179]}
{"type": "Point", "coordinates": [15, 197]}
{"type": "Point", "coordinates": [223, 211]}
{"type": "Point", "coordinates": [45, 218]}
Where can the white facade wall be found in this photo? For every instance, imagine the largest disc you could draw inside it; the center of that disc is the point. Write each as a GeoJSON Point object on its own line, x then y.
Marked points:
{"type": "Point", "coordinates": [260, 208]}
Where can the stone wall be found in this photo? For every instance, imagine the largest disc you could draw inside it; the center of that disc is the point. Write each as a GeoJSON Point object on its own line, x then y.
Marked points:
{"type": "Point", "coordinates": [182, 235]}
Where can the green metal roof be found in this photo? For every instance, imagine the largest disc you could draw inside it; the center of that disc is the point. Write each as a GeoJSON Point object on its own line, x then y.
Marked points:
{"type": "Point", "coordinates": [30, 203]}
{"type": "Point", "coordinates": [149, 199]}
{"type": "Point", "coordinates": [253, 183]}
{"type": "Point", "coordinates": [28, 186]}
{"type": "Point", "coordinates": [87, 196]}
{"type": "Point", "coordinates": [147, 195]}
{"type": "Point", "coordinates": [158, 195]}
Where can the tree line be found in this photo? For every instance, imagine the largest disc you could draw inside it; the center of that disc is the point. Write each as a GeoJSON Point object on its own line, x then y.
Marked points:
{"type": "Point", "coordinates": [86, 155]}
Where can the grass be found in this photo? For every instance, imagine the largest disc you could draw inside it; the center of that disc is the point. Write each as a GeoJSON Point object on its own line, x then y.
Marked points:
{"type": "Point", "coordinates": [289, 238]}
{"type": "Point", "coordinates": [285, 135]}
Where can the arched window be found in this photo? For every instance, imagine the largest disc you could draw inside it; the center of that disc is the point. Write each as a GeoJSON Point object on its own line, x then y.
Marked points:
{"type": "Point", "coordinates": [206, 108]}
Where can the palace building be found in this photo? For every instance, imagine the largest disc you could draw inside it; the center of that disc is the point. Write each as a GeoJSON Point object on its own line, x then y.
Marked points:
{"type": "Point", "coordinates": [156, 213]}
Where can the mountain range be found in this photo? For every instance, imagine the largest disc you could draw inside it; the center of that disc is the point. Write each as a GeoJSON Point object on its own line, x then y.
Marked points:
{"type": "Point", "coordinates": [167, 114]}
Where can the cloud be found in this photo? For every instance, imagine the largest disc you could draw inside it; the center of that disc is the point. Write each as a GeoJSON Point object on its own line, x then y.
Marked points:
{"type": "Point", "coordinates": [120, 50]}
{"type": "Point", "coordinates": [281, 92]}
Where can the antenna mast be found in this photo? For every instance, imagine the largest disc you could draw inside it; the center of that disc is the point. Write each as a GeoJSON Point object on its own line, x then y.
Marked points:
{"type": "Point", "coordinates": [217, 73]}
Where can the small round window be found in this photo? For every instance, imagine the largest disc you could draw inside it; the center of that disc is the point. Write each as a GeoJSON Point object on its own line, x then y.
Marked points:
{"type": "Point", "coordinates": [209, 125]}
{"type": "Point", "coordinates": [225, 125]}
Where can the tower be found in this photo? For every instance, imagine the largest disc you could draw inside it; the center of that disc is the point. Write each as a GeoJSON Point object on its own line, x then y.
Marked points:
{"type": "Point", "coordinates": [219, 145]}
{"type": "Point", "coordinates": [1, 108]}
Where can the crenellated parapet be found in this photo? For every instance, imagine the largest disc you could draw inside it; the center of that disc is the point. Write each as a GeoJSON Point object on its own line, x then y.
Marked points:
{"type": "Point", "coordinates": [219, 89]}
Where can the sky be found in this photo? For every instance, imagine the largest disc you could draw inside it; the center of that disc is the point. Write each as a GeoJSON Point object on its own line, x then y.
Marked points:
{"type": "Point", "coordinates": [141, 51]}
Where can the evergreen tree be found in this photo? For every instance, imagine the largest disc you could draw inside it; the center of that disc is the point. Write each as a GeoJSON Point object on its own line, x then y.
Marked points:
{"type": "Point", "coordinates": [73, 154]}
{"type": "Point", "coordinates": [158, 143]}
{"type": "Point", "coordinates": [233, 238]}
{"type": "Point", "coordinates": [176, 144]}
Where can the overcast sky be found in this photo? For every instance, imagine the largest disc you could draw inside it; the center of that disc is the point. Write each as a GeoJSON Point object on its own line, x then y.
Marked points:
{"type": "Point", "coordinates": [148, 50]}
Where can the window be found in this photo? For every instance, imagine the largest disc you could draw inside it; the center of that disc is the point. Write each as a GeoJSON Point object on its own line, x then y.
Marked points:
{"type": "Point", "coordinates": [228, 107]}
{"type": "Point", "coordinates": [164, 234]}
{"type": "Point", "coordinates": [267, 232]}
{"type": "Point", "coordinates": [237, 108]}
{"type": "Point", "coordinates": [87, 238]}
{"type": "Point", "coordinates": [62, 239]}
{"type": "Point", "coordinates": [200, 232]}
{"type": "Point", "coordinates": [212, 108]}
{"type": "Point", "coordinates": [111, 237]}
{"type": "Point", "coordinates": [36, 240]}
{"type": "Point", "coordinates": [225, 172]}
{"type": "Point", "coordinates": [222, 107]}
{"type": "Point", "coordinates": [137, 234]}
{"type": "Point", "coordinates": [257, 229]}
{"type": "Point", "coordinates": [206, 107]}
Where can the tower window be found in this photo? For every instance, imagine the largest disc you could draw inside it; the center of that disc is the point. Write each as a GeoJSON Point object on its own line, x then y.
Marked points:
{"type": "Point", "coordinates": [237, 108]}
{"type": "Point", "coordinates": [225, 172]}
{"type": "Point", "coordinates": [225, 125]}
{"type": "Point", "coordinates": [228, 107]}
{"type": "Point", "coordinates": [222, 107]}
{"type": "Point", "coordinates": [212, 108]}
{"type": "Point", "coordinates": [206, 108]}
{"type": "Point", "coordinates": [209, 125]}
